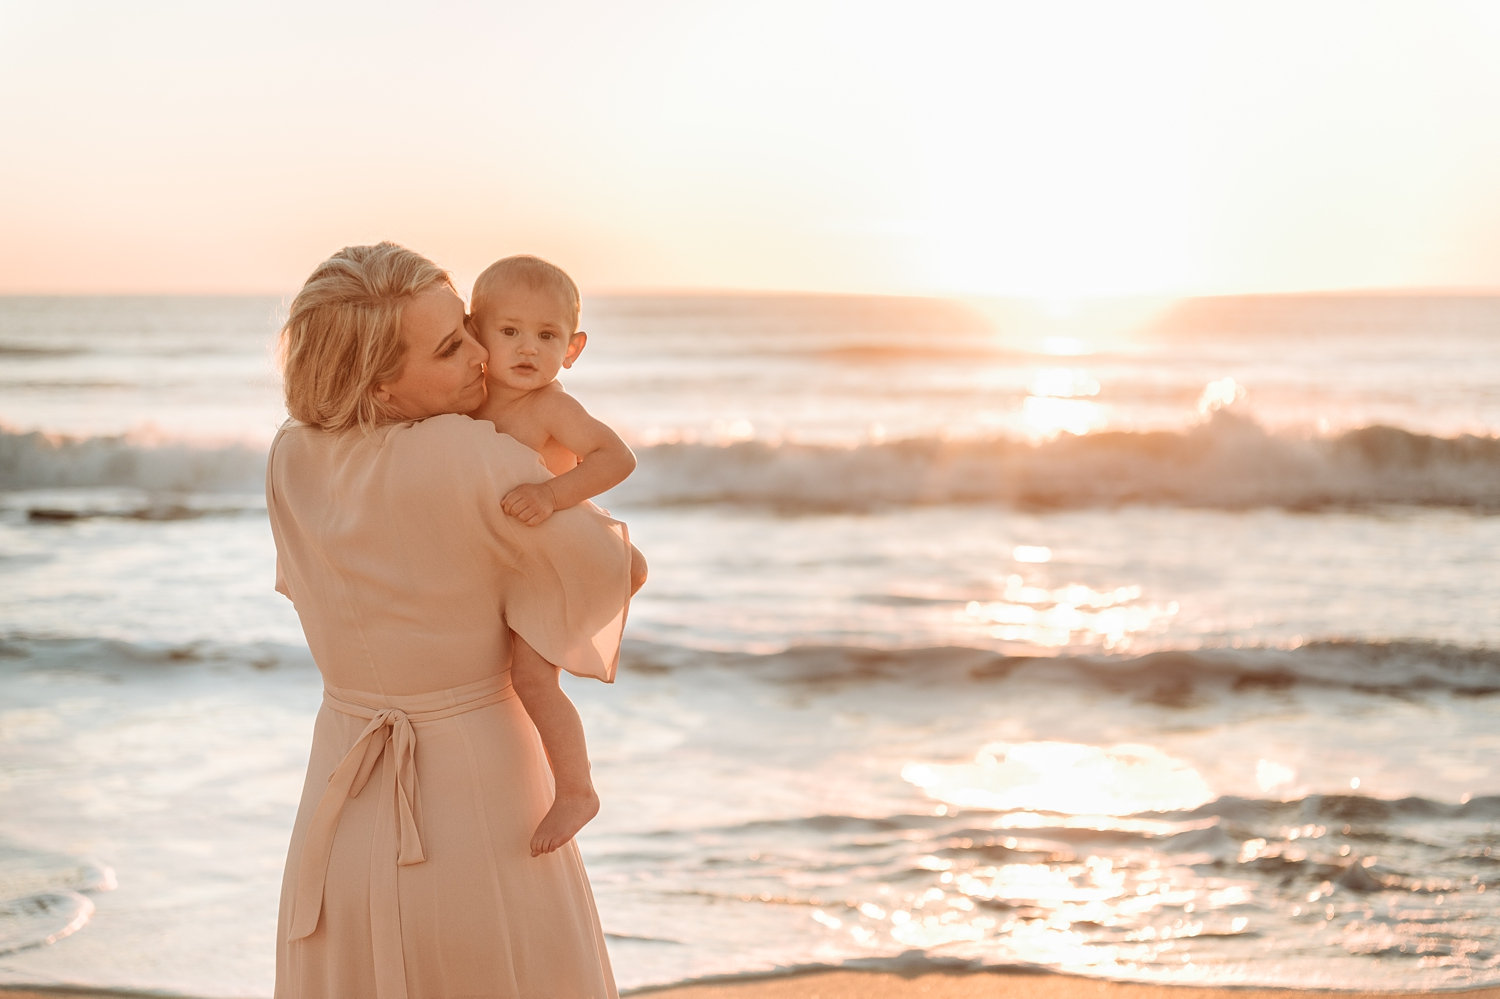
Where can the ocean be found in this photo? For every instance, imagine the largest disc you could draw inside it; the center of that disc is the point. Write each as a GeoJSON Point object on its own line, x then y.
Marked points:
{"type": "Point", "coordinates": [1146, 640]}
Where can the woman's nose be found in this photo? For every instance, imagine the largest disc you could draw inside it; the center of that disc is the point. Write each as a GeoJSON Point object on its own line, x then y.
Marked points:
{"type": "Point", "coordinates": [482, 356]}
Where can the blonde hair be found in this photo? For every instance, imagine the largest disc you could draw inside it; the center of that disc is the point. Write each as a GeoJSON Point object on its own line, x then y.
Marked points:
{"type": "Point", "coordinates": [342, 336]}
{"type": "Point", "coordinates": [534, 272]}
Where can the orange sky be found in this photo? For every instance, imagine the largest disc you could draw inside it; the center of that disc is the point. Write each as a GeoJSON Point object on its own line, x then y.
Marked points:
{"type": "Point", "coordinates": [1057, 149]}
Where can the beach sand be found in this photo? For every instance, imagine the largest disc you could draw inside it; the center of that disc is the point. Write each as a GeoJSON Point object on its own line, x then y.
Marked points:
{"type": "Point", "coordinates": [933, 985]}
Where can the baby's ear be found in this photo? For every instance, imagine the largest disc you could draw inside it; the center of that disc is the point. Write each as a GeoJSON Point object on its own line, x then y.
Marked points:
{"type": "Point", "coordinates": [576, 343]}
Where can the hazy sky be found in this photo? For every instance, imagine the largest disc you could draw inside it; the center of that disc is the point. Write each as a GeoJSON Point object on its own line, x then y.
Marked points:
{"type": "Point", "coordinates": [1036, 147]}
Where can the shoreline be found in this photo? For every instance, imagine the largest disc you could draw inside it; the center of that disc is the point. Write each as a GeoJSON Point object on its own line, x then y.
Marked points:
{"type": "Point", "coordinates": [847, 984]}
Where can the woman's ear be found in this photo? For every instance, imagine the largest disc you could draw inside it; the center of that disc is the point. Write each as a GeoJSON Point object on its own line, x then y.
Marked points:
{"type": "Point", "coordinates": [576, 343]}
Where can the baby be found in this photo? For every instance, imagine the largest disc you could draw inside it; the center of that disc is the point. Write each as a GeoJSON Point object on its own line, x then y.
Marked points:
{"type": "Point", "coordinates": [525, 313]}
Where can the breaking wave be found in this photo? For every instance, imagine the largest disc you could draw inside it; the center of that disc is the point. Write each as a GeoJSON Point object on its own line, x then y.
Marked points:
{"type": "Point", "coordinates": [35, 460]}
{"type": "Point", "coordinates": [1227, 462]}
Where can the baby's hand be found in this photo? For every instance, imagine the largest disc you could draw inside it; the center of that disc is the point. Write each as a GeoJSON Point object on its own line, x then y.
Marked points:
{"type": "Point", "coordinates": [531, 503]}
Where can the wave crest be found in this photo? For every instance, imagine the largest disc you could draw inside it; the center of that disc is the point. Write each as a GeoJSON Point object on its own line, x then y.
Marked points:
{"type": "Point", "coordinates": [1226, 462]}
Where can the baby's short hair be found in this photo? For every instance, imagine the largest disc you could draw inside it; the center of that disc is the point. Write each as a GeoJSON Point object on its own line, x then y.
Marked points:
{"type": "Point", "coordinates": [532, 271]}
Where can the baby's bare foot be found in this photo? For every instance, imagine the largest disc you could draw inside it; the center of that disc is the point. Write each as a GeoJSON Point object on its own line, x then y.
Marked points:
{"type": "Point", "coordinates": [569, 813]}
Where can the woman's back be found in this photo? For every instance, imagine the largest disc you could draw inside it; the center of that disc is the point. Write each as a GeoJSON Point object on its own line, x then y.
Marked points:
{"type": "Point", "coordinates": [406, 573]}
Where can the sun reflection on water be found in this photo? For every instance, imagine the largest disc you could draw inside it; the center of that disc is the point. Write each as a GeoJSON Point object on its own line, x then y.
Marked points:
{"type": "Point", "coordinates": [1070, 615]}
{"type": "Point", "coordinates": [1059, 400]}
{"type": "Point", "coordinates": [1066, 778]}
{"type": "Point", "coordinates": [1064, 383]}
{"type": "Point", "coordinates": [1019, 874]}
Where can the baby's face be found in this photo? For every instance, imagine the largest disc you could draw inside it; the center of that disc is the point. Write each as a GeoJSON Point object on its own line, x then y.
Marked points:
{"type": "Point", "coordinates": [529, 334]}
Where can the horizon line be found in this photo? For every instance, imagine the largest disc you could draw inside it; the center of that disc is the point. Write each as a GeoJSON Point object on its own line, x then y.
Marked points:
{"type": "Point", "coordinates": [686, 291]}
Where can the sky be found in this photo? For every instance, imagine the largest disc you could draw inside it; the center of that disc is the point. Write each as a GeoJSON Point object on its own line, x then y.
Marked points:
{"type": "Point", "coordinates": [1055, 150]}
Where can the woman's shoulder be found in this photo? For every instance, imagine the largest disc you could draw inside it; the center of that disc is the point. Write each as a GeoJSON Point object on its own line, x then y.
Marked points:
{"type": "Point", "coordinates": [293, 440]}
{"type": "Point", "coordinates": [459, 446]}
{"type": "Point", "coordinates": [451, 430]}
{"type": "Point", "coordinates": [447, 426]}
{"type": "Point", "coordinates": [438, 439]}
{"type": "Point", "coordinates": [447, 448]}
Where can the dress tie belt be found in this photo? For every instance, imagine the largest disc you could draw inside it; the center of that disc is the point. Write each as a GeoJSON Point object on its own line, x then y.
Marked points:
{"type": "Point", "coordinates": [391, 730]}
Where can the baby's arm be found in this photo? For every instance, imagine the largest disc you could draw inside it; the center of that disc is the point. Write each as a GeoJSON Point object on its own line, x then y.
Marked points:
{"type": "Point", "coordinates": [603, 461]}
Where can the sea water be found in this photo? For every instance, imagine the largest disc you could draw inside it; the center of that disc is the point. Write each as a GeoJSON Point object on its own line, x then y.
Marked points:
{"type": "Point", "coordinates": [1145, 640]}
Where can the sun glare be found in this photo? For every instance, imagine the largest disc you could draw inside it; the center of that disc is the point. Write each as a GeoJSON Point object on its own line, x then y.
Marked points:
{"type": "Point", "coordinates": [1058, 402]}
{"type": "Point", "coordinates": [1060, 330]}
{"type": "Point", "coordinates": [1047, 416]}
{"type": "Point", "coordinates": [1220, 394]}
{"type": "Point", "coordinates": [1064, 346]}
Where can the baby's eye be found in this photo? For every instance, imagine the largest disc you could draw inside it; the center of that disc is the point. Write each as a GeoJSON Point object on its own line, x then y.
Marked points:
{"type": "Point", "coordinates": [545, 335]}
{"type": "Point", "coordinates": [507, 331]}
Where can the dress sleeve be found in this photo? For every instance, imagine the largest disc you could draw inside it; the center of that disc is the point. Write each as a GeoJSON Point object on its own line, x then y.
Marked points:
{"type": "Point", "coordinates": [568, 588]}
{"type": "Point", "coordinates": [573, 590]}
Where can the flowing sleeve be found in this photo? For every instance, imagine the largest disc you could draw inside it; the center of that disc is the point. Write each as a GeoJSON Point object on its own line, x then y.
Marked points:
{"type": "Point", "coordinates": [567, 589]}
{"type": "Point", "coordinates": [573, 590]}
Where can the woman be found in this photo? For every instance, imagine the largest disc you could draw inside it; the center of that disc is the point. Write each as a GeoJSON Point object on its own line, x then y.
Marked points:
{"type": "Point", "coordinates": [409, 872]}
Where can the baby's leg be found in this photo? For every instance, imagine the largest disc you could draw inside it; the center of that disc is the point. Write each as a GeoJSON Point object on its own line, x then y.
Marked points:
{"type": "Point", "coordinates": [557, 722]}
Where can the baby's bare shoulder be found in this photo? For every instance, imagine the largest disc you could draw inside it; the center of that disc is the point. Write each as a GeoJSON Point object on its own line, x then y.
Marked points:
{"type": "Point", "coordinates": [553, 400]}
{"type": "Point", "coordinates": [551, 390]}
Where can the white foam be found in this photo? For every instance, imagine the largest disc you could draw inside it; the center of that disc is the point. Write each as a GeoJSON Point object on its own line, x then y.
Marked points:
{"type": "Point", "coordinates": [35, 460]}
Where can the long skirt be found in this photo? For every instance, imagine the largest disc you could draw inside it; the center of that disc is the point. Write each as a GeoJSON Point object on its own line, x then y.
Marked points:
{"type": "Point", "coordinates": [409, 874]}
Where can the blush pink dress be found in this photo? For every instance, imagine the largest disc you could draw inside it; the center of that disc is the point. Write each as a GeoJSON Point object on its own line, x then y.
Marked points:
{"type": "Point", "coordinates": [409, 874]}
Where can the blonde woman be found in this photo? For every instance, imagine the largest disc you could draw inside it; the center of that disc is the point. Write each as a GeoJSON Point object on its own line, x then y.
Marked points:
{"type": "Point", "coordinates": [409, 873]}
